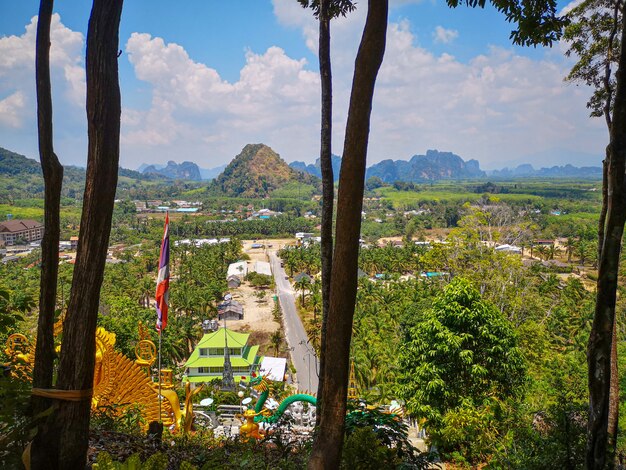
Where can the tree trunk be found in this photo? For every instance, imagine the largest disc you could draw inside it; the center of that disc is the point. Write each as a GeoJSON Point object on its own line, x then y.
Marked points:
{"type": "Point", "coordinates": [328, 182]}
{"type": "Point", "coordinates": [600, 454]}
{"type": "Point", "coordinates": [69, 438]}
{"type": "Point", "coordinates": [328, 442]}
{"type": "Point", "coordinates": [53, 179]}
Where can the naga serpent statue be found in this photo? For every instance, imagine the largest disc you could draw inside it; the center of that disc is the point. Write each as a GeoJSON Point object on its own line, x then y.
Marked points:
{"type": "Point", "coordinates": [261, 384]}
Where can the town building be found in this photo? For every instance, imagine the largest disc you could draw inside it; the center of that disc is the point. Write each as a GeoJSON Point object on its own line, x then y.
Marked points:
{"type": "Point", "coordinates": [239, 269]}
{"type": "Point", "coordinates": [230, 310]}
{"type": "Point", "coordinates": [27, 230]}
{"type": "Point", "coordinates": [206, 363]}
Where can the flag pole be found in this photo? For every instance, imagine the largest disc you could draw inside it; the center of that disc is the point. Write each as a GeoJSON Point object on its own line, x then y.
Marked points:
{"type": "Point", "coordinates": [160, 397]}
{"type": "Point", "coordinates": [161, 297]}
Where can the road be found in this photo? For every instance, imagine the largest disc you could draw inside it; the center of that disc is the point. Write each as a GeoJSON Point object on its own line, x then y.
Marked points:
{"type": "Point", "coordinates": [302, 353]}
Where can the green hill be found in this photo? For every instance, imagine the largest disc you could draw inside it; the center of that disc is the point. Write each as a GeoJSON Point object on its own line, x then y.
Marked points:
{"type": "Point", "coordinates": [256, 172]}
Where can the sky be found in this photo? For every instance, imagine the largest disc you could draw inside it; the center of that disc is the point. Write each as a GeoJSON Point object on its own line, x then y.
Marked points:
{"type": "Point", "coordinates": [201, 79]}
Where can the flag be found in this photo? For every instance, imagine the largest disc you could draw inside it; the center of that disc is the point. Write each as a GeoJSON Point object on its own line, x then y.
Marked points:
{"type": "Point", "coordinates": [163, 279]}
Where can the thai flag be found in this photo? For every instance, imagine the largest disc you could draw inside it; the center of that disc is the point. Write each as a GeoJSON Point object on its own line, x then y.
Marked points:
{"type": "Point", "coordinates": [163, 279]}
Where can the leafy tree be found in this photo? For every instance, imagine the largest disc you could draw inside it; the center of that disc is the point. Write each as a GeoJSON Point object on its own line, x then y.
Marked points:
{"type": "Point", "coordinates": [460, 357]}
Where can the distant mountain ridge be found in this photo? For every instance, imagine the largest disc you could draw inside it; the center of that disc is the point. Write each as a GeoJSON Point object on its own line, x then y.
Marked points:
{"type": "Point", "coordinates": [315, 169]}
{"type": "Point", "coordinates": [256, 172]}
{"type": "Point", "coordinates": [436, 165]}
{"type": "Point", "coordinates": [14, 164]}
{"type": "Point", "coordinates": [182, 171]}
{"type": "Point", "coordinates": [565, 171]}
{"type": "Point", "coordinates": [206, 174]}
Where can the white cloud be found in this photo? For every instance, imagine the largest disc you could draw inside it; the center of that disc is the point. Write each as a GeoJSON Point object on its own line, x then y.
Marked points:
{"type": "Point", "coordinates": [497, 107]}
{"type": "Point", "coordinates": [442, 35]}
{"type": "Point", "coordinates": [11, 110]}
{"type": "Point", "coordinates": [17, 87]}
{"type": "Point", "coordinates": [193, 106]}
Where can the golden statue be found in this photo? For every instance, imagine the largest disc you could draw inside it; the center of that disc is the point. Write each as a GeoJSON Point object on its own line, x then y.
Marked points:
{"type": "Point", "coordinates": [117, 380]}
{"type": "Point", "coordinates": [250, 428]}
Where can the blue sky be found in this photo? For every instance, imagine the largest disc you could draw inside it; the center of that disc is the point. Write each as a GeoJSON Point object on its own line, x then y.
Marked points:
{"type": "Point", "coordinates": [201, 79]}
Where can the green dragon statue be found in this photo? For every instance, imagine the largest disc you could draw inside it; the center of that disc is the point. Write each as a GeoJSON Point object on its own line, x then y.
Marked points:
{"type": "Point", "coordinates": [261, 385]}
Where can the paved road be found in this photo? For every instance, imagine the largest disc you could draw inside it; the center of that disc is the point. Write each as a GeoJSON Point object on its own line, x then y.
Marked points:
{"type": "Point", "coordinates": [302, 353]}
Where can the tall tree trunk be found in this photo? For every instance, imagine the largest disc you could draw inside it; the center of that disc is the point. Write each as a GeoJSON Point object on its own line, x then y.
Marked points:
{"type": "Point", "coordinates": [69, 438]}
{"type": "Point", "coordinates": [328, 442]}
{"type": "Point", "coordinates": [328, 182]}
{"type": "Point", "coordinates": [600, 454]}
{"type": "Point", "coordinates": [53, 179]}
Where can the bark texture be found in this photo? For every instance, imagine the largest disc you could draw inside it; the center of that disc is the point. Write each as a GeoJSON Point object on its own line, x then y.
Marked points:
{"type": "Point", "coordinates": [70, 433]}
{"type": "Point", "coordinates": [328, 442]}
{"type": "Point", "coordinates": [600, 454]}
{"type": "Point", "coordinates": [53, 179]}
{"type": "Point", "coordinates": [328, 181]}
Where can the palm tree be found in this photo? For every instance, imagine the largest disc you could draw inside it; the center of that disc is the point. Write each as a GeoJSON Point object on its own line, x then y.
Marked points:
{"type": "Point", "coordinates": [570, 244]}
{"type": "Point", "coordinates": [276, 340]}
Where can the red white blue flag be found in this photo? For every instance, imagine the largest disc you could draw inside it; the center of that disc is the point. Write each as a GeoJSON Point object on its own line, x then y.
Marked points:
{"type": "Point", "coordinates": [163, 279]}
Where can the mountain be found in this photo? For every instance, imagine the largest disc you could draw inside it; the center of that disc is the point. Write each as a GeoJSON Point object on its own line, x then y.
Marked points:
{"type": "Point", "coordinates": [434, 165]}
{"type": "Point", "coordinates": [183, 171]}
{"type": "Point", "coordinates": [12, 163]}
{"type": "Point", "coordinates": [211, 173]}
{"type": "Point", "coordinates": [315, 170]}
{"type": "Point", "coordinates": [566, 171]}
{"type": "Point", "coordinates": [256, 172]}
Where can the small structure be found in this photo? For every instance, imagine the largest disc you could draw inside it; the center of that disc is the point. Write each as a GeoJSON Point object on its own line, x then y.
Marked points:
{"type": "Point", "coordinates": [73, 243]}
{"type": "Point", "coordinates": [206, 363]}
{"type": "Point", "coordinates": [273, 368]}
{"type": "Point", "coordinates": [509, 249]}
{"type": "Point", "coordinates": [262, 267]}
{"type": "Point", "coordinates": [233, 281]}
{"type": "Point", "coordinates": [230, 310]}
{"type": "Point", "coordinates": [20, 229]}
{"type": "Point", "coordinates": [239, 269]}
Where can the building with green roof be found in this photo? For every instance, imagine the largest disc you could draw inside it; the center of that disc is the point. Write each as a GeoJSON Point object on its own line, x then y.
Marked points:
{"type": "Point", "coordinates": [206, 363]}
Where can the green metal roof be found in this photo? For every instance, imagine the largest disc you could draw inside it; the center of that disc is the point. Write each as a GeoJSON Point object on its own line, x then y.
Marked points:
{"type": "Point", "coordinates": [217, 339]}
{"type": "Point", "coordinates": [235, 340]}
{"type": "Point", "coordinates": [210, 378]}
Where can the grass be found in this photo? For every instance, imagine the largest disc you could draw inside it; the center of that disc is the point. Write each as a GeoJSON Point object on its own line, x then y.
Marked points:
{"type": "Point", "coordinates": [35, 212]}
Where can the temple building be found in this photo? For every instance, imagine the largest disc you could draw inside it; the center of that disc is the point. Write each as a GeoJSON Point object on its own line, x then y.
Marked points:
{"type": "Point", "coordinates": [206, 363]}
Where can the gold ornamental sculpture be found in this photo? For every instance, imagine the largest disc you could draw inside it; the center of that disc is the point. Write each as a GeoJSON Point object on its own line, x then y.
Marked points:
{"type": "Point", "coordinates": [118, 381]}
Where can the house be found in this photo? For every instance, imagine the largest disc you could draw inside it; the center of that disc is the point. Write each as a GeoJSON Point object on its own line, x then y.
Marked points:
{"type": "Point", "coordinates": [206, 363]}
{"type": "Point", "coordinates": [20, 229]}
{"type": "Point", "coordinates": [230, 310]}
{"type": "Point", "coordinates": [233, 282]}
{"type": "Point", "coordinates": [262, 267]}
{"type": "Point", "coordinates": [239, 269]}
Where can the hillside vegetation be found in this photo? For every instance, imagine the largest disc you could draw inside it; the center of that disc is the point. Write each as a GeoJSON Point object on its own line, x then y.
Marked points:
{"type": "Point", "coordinates": [256, 172]}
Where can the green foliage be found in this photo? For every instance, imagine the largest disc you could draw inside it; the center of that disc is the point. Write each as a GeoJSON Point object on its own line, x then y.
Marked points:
{"type": "Point", "coordinates": [156, 461]}
{"type": "Point", "coordinates": [363, 450]}
{"type": "Point", "coordinates": [460, 356]}
{"type": "Point", "coordinates": [594, 37]}
{"type": "Point", "coordinates": [259, 280]}
{"type": "Point", "coordinates": [16, 428]}
{"type": "Point", "coordinates": [124, 417]}
{"type": "Point", "coordinates": [537, 22]}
